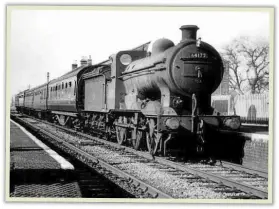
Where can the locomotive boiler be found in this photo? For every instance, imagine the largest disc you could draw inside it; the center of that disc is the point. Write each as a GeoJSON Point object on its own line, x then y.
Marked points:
{"type": "Point", "coordinates": [172, 74]}
{"type": "Point", "coordinates": [146, 100]}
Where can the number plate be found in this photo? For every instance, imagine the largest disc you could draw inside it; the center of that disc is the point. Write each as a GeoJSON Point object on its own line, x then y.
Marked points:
{"type": "Point", "coordinates": [198, 55]}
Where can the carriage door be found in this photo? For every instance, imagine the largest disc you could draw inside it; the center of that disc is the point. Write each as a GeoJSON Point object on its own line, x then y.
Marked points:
{"type": "Point", "coordinates": [95, 93]}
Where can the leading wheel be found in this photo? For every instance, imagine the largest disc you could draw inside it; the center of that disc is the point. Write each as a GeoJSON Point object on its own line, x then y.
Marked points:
{"type": "Point", "coordinates": [152, 137]}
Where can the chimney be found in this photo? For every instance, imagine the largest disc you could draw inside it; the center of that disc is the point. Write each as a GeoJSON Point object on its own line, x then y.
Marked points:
{"type": "Point", "coordinates": [83, 61]}
{"type": "Point", "coordinates": [89, 61]}
{"type": "Point", "coordinates": [47, 76]}
{"type": "Point", "coordinates": [189, 32]}
{"type": "Point", "coordinates": [74, 65]}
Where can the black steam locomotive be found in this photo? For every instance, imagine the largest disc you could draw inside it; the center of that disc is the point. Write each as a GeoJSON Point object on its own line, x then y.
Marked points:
{"type": "Point", "coordinates": [137, 98]}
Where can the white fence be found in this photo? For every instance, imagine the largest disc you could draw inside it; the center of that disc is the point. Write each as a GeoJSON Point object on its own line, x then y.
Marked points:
{"type": "Point", "coordinates": [253, 108]}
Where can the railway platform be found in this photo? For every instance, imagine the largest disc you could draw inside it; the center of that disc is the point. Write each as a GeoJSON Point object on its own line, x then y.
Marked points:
{"type": "Point", "coordinates": [251, 145]}
{"type": "Point", "coordinates": [254, 129]}
{"type": "Point", "coordinates": [36, 170]}
{"type": "Point", "coordinates": [255, 149]}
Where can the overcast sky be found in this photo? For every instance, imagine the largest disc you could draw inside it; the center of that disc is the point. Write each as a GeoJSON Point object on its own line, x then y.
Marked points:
{"type": "Point", "coordinates": [50, 40]}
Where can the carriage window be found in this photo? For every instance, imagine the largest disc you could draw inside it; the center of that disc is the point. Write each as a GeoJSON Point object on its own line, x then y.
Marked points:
{"type": "Point", "coordinates": [62, 85]}
{"type": "Point", "coordinates": [70, 84]}
{"type": "Point", "coordinates": [66, 85]}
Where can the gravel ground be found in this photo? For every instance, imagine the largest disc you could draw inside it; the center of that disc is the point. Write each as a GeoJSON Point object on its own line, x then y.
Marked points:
{"type": "Point", "coordinates": [151, 173]}
{"type": "Point", "coordinates": [239, 176]}
{"type": "Point", "coordinates": [173, 185]}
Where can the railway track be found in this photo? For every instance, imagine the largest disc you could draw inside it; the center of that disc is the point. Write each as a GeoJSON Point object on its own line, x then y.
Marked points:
{"type": "Point", "coordinates": [191, 180]}
{"type": "Point", "coordinates": [88, 183]}
{"type": "Point", "coordinates": [93, 184]}
{"type": "Point", "coordinates": [133, 186]}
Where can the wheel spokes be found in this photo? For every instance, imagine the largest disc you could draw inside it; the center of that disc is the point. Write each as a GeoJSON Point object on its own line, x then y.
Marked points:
{"type": "Point", "coordinates": [121, 134]}
{"type": "Point", "coordinates": [152, 138]}
{"type": "Point", "coordinates": [137, 140]}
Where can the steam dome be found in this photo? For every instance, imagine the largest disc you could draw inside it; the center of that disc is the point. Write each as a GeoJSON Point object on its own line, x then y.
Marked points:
{"type": "Point", "coordinates": [161, 45]}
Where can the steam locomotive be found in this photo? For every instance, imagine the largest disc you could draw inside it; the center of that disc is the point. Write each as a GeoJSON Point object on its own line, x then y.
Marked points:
{"type": "Point", "coordinates": [145, 100]}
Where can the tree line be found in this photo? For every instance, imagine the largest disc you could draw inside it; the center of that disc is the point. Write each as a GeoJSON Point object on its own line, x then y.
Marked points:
{"type": "Point", "coordinates": [248, 61]}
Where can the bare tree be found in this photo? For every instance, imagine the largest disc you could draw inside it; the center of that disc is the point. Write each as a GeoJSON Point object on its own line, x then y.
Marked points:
{"type": "Point", "coordinates": [257, 56]}
{"type": "Point", "coordinates": [247, 61]}
{"type": "Point", "coordinates": [233, 62]}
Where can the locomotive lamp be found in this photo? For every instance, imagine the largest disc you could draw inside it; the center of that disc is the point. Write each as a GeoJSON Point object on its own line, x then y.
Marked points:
{"type": "Point", "coordinates": [232, 123]}
{"type": "Point", "coordinates": [199, 42]}
{"type": "Point", "coordinates": [172, 123]}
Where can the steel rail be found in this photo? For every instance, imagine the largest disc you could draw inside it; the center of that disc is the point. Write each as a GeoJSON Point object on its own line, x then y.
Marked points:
{"type": "Point", "coordinates": [216, 178]}
{"type": "Point", "coordinates": [146, 188]}
{"type": "Point", "coordinates": [237, 167]}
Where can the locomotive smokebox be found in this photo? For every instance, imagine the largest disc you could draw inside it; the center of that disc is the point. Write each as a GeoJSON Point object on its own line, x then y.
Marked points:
{"type": "Point", "coordinates": [189, 32]}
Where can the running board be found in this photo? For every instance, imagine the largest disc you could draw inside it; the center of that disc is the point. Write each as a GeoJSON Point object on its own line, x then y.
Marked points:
{"type": "Point", "coordinates": [65, 113]}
